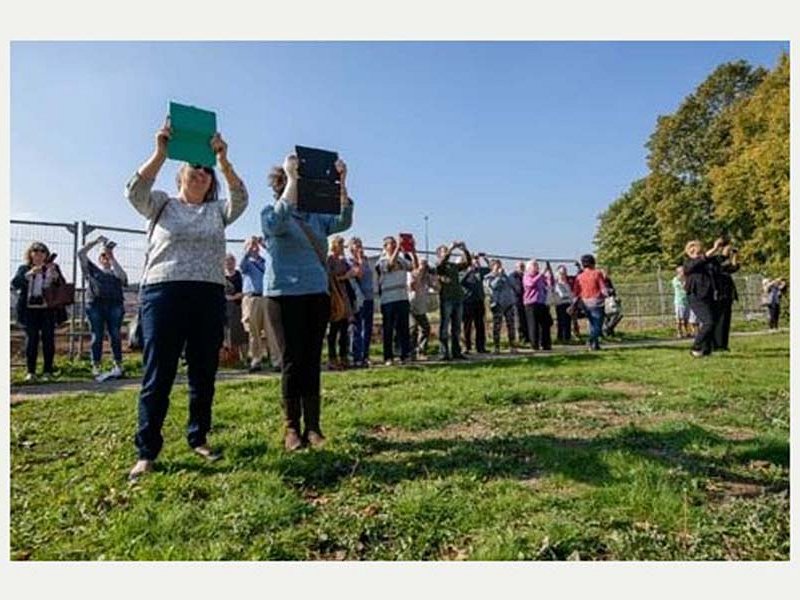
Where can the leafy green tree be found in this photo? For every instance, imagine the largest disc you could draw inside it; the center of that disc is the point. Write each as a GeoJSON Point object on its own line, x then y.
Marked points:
{"type": "Point", "coordinates": [627, 234]}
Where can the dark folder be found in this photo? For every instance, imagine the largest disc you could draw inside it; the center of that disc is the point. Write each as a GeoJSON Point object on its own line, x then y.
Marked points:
{"type": "Point", "coordinates": [318, 184]}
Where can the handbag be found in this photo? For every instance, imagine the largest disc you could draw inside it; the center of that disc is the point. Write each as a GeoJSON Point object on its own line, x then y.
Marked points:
{"type": "Point", "coordinates": [135, 333]}
{"type": "Point", "coordinates": [338, 299]}
{"type": "Point", "coordinates": [60, 293]}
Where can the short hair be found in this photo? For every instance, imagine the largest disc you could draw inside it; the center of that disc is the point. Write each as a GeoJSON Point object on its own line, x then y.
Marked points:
{"type": "Point", "coordinates": [496, 261]}
{"type": "Point", "coordinates": [693, 245]}
{"type": "Point", "coordinates": [387, 239]}
{"type": "Point", "coordinates": [587, 260]}
{"type": "Point", "coordinates": [212, 195]}
{"type": "Point", "coordinates": [354, 240]}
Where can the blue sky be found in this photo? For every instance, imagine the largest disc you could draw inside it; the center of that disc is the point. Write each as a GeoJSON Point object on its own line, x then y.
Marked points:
{"type": "Point", "coordinates": [513, 147]}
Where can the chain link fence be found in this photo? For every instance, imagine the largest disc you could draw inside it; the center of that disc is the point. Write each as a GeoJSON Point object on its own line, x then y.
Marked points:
{"type": "Point", "coordinates": [647, 300]}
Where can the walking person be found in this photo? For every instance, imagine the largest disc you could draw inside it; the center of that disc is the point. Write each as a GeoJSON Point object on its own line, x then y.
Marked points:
{"type": "Point", "coordinates": [36, 274]}
{"type": "Point", "coordinates": [727, 264]}
{"type": "Point", "coordinates": [700, 269]}
{"type": "Point", "coordinates": [590, 291]}
{"type": "Point", "coordinates": [680, 302]}
{"type": "Point", "coordinates": [420, 283]}
{"type": "Point", "coordinates": [341, 274]}
{"type": "Point", "coordinates": [298, 295]}
{"type": "Point", "coordinates": [105, 305]}
{"type": "Point", "coordinates": [393, 268]}
{"type": "Point", "coordinates": [502, 303]}
{"type": "Point", "coordinates": [537, 284]}
{"type": "Point", "coordinates": [183, 290]}
{"type": "Point", "coordinates": [475, 303]}
{"type": "Point", "coordinates": [234, 336]}
{"type": "Point", "coordinates": [254, 306]}
{"type": "Point", "coordinates": [562, 294]}
{"type": "Point", "coordinates": [363, 318]}
{"type": "Point", "coordinates": [451, 300]}
{"type": "Point", "coordinates": [516, 278]}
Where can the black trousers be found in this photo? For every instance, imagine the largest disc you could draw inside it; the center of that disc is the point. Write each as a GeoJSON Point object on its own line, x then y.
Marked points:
{"type": "Point", "coordinates": [722, 326]}
{"type": "Point", "coordinates": [774, 315]}
{"type": "Point", "coordinates": [475, 314]}
{"type": "Point", "coordinates": [40, 325]}
{"type": "Point", "coordinates": [522, 323]}
{"type": "Point", "coordinates": [338, 330]}
{"type": "Point", "coordinates": [298, 323]}
{"type": "Point", "coordinates": [563, 323]}
{"type": "Point", "coordinates": [707, 317]}
{"type": "Point", "coordinates": [539, 322]}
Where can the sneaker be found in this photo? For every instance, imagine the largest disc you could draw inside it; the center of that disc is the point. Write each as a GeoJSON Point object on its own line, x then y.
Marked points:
{"type": "Point", "coordinates": [141, 467]}
{"type": "Point", "coordinates": [207, 453]}
{"type": "Point", "coordinates": [254, 367]}
{"type": "Point", "coordinates": [116, 372]}
{"type": "Point", "coordinates": [388, 363]}
{"type": "Point", "coordinates": [30, 377]}
{"type": "Point", "coordinates": [95, 370]}
{"type": "Point", "coordinates": [292, 441]}
{"type": "Point", "coordinates": [47, 377]}
{"type": "Point", "coordinates": [697, 353]}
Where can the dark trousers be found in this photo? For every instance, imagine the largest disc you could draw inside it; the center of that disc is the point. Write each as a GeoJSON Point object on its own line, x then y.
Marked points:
{"type": "Point", "coordinates": [707, 318]}
{"type": "Point", "coordinates": [395, 322]}
{"type": "Point", "coordinates": [539, 322]}
{"type": "Point", "coordinates": [498, 315]}
{"type": "Point", "coordinates": [522, 324]}
{"type": "Point", "coordinates": [419, 343]}
{"type": "Point", "coordinates": [40, 324]}
{"type": "Point", "coordinates": [563, 323]}
{"type": "Point", "coordinates": [338, 329]}
{"type": "Point", "coordinates": [105, 316]}
{"type": "Point", "coordinates": [175, 315]}
{"type": "Point", "coordinates": [298, 323]}
{"type": "Point", "coordinates": [774, 315]}
{"type": "Point", "coordinates": [450, 314]}
{"type": "Point", "coordinates": [362, 331]}
{"type": "Point", "coordinates": [722, 326]}
{"type": "Point", "coordinates": [475, 314]}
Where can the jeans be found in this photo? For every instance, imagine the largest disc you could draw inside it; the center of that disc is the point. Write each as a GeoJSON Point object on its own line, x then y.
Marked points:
{"type": "Point", "coordinates": [475, 313]}
{"type": "Point", "coordinates": [40, 323]}
{"type": "Point", "coordinates": [102, 316]}
{"type": "Point", "coordinates": [395, 319]}
{"type": "Point", "coordinates": [595, 315]}
{"type": "Point", "coordinates": [177, 314]}
{"type": "Point", "coordinates": [362, 331]}
{"type": "Point", "coordinates": [451, 312]}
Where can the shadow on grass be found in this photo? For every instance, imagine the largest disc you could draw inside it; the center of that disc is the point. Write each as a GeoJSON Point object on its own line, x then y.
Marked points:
{"type": "Point", "coordinates": [391, 461]}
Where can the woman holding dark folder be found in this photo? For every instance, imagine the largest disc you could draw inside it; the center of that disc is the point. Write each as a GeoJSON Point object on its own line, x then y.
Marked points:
{"type": "Point", "coordinates": [182, 290]}
{"type": "Point", "coordinates": [298, 301]}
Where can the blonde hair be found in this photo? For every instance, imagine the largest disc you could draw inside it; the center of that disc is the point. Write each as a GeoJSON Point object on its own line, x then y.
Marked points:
{"type": "Point", "coordinates": [693, 245]}
{"type": "Point", "coordinates": [531, 263]}
{"type": "Point", "coordinates": [212, 195]}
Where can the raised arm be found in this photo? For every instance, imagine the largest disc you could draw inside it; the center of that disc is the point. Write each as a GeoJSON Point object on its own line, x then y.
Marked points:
{"type": "Point", "coordinates": [138, 191]}
{"type": "Point", "coordinates": [237, 200]}
{"type": "Point", "coordinates": [344, 219]}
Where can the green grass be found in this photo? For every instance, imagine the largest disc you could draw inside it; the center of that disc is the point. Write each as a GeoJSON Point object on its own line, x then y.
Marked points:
{"type": "Point", "coordinates": [627, 454]}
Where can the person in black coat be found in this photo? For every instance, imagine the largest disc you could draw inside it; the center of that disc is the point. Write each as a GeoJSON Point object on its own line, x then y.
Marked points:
{"type": "Point", "coordinates": [701, 270]}
{"type": "Point", "coordinates": [727, 264]}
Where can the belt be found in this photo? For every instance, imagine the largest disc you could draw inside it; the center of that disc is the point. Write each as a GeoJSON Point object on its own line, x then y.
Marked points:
{"type": "Point", "coordinates": [253, 295]}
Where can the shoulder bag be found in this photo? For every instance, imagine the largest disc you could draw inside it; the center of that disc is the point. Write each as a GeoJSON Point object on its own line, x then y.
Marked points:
{"type": "Point", "coordinates": [338, 300]}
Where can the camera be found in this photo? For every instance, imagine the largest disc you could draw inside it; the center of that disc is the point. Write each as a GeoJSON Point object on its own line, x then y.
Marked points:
{"type": "Point", "coordinates": [109, 245]}
{"type": "Point", "coordinates": [36, 301]}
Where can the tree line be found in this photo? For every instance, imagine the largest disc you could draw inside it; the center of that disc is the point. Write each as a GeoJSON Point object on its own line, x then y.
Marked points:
{"type": "Point", "coordinates": [719, 165]}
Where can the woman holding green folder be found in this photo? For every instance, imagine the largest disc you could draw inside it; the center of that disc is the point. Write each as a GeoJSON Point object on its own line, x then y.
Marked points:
{"type": "Point", "coordinates": [182, 290]}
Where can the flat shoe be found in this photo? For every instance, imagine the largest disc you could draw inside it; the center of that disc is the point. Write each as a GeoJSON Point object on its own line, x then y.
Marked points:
{"type": "Point", "coordinates": [141, 467]}
{"type": "Point", "coordinates": [207, 453]}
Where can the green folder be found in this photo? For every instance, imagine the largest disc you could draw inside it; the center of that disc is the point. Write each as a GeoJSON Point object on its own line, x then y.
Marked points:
{"type": "Point", "coordinates": [192, 130]}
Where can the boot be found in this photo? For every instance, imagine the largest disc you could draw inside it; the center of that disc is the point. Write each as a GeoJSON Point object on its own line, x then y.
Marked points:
{"type": "Point", "coordinates": [313, 433]}
{"type": "Point", "coordinates": [291, 412]}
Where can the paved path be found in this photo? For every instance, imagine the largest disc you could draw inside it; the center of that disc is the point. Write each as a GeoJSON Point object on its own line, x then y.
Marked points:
{"type": "Point", "coordinates": [20, 393]}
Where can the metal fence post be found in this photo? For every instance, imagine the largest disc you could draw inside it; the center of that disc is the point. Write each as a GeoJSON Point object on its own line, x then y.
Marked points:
{"type": "Point", "coordinates": [73, 229]}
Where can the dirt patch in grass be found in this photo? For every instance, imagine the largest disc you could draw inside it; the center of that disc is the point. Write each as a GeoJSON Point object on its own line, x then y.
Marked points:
{"type": "Point", "coordinates": [722, 491]}
{"type": "Point", "coordinates": [468, 430]}
{"type": "Point", "coordinates": [634, 390]}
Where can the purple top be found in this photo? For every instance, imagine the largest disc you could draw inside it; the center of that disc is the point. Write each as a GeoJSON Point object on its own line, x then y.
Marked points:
{"type": "Point", "coordinates": [535, 288]}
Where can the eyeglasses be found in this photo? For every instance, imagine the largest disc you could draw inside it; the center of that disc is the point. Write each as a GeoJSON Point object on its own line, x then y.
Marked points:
{"type": "Point", "coordinates": [204, 168]}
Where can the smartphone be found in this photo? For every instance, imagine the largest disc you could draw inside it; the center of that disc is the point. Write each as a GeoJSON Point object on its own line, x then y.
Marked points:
{"type": "Point", "coordinates": [406, 242]}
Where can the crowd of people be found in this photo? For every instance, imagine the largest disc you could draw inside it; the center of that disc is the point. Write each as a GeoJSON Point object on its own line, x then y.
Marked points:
{"type": "Point", "coordinates": [299, 279]}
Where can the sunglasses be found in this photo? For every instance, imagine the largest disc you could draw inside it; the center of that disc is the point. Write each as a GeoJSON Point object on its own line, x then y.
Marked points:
{"type": "Point", "coordinates": [42, 250]}
{"type": "Point", "coordinates": [204, 168]}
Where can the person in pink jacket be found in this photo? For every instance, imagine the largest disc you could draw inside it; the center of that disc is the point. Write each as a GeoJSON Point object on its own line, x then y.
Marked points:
{"type": "Point", "coordinates": [536, 286]}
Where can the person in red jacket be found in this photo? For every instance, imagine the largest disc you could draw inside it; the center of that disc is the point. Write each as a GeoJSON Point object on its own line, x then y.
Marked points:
{"type": "Point", "coordinates": [589, 289]}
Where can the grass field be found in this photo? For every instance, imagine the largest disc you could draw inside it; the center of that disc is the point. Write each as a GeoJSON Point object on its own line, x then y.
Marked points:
{"type": "Point", "coordinates": [625, 454]}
